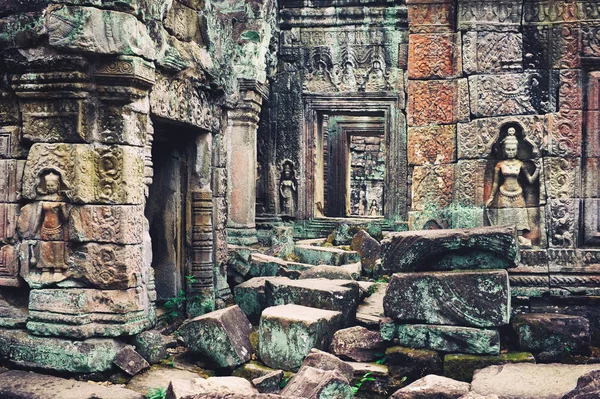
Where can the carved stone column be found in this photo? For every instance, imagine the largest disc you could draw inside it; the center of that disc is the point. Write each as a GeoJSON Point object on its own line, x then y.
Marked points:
{"type": "Point", "coordinates": [242, 127]}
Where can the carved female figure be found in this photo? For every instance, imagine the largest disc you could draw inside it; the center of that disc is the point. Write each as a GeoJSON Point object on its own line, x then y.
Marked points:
{"type": "Point", "coordinates": [507, 191]}
{"type": "Point", "coordinates": [287, 190]}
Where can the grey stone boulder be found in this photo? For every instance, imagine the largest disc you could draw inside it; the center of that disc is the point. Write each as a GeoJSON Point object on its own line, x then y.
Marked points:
{"type": "Point", "coordinates": [460, 298]}
{"type": "Point", "coordinates": [357, 343]}
{"type": "Point", "coordinates": [449, 339]}
{"type": "Point", "coordinates": [369, 250]}
{"type": "Point", "coordinates": [433, 387]}
{"type": "Point", "coordinates": [130, 361]}
{"type": "Point", "coordinates": [282, 241]}
{"type": "Point", "coordinates": [327, 272]}
{"type": "Point", "coordinates": [588, 387]}
{"type": "Point", "coordinates": [223, 336]}
{"type": "Point", "coordinates": [151, 345]}
{"type": "Point", "coordinates": [529, 381]}
{"type": "Point", "coordinates": [314, 383]}
{"type": "Point", "coordinates": [28, 385]}
{"type": "Point", "coordinates": [250, 296]}
{"type": "Point", "coordinates": [492, 247]}
{"type": "Point", "coordinates": [212, 387]}
{"type": "Point", "coordinates": [269, 383]}
{"type": "Point", "coordinates": [287, 333]}
{"type": "Point", "coordinates": [326, 361]}
{"type": "Point", "coordinates": [473, 395]}
{"type": "Point", "coordinates": [551, 336]}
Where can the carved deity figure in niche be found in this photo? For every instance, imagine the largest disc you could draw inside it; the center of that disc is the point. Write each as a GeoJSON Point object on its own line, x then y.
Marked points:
{"type": "Point", "coordinates": [47, 220]}
{"type": "Point", "coordinates": [376, 79]}
{"type": "Point", "coordinates": [287, 191]}
{"type": "Point", "coordinates": [506, 204]}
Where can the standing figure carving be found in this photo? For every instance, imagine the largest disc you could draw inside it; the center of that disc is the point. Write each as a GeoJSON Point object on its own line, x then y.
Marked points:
{"type": "Point", "coordinates": [506, 204]}
{"type": "Point", "coordinates": [287, 190]}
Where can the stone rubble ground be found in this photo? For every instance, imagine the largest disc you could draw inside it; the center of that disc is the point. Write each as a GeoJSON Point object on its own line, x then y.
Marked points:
{"type": "Point", "coordinates": [306, 329]}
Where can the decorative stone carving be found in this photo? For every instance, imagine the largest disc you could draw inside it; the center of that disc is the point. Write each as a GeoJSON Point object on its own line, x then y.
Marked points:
{"type": "Point", "coordinates": [10, 140]}
{"type": "Point", "coordinates": [564, 133]}
{"type": "Point", "coordinates": [562, 217]}
{"type": "Point", "coordinates": [67, 120]}
{"type": "Point", "coordinates": [469, 182]}
{"type": "Point", "coordinates": [11, 174]}
{"type": "Point", "coordinates": [197, 110]}
{"type": "Point", "coordinates": [288, 188]}
{"type": "Point", "coordinates": [492, 52]}
{"type": "Point", "coordinates": [431, 16]}
{"type": "Point", "coordinates": [441, 102]}
{"type": "Point", "coordinates": [431, 144]}
{"type": "Point", "coordinates": [562, 177]}
{"type": "Point", "coordinates": [434, 56]}
{"type": "Point", "coordinates": [488, 15]}
{"type": "Point", "coordinates": [570, 93]}
{"type": "Point", "coordinates": [9, 266]}
{"type": "Point", "coordinates": [549, 11]}
{"type": "Point", "coordinates": [432, 184]}
{"type": "Point", "coordinates": [590, 40]}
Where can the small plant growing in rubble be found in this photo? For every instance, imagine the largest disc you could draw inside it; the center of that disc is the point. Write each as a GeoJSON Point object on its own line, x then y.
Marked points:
{"type": "Point", "coordinates": [157, 393]}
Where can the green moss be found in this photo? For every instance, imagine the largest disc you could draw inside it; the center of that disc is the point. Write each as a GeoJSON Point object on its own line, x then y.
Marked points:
{"type": "Point", "coordinates": [461, 366]}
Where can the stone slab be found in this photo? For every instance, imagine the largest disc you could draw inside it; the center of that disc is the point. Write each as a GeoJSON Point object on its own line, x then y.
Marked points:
{"type": "Point", "coordinates": [433, 386]}
{"type": "Point", "coordinates": [311, 382]}
{"type": "Point", "coordinates": [535, 381]}
{"type": "Point", "coordinates": [449, 339]}
{"type": "Point", "coordinates": [130, 361]}
{"type": "Point", "coordinates": [158, 377]}
{"type": "Point", "coordinates": [493, 247]}
{"type": "Point", "coordinates": [287, 333]}
{"type": "Point", "coordinates": [357, 343]}
{"type": "Point", "coordinates": [461, 367]}
{"type": "Point", "coordinates": [460, 298]}
{"type": "Point", "coordinates": [250, 296]}
{"type": "Point", "coordinates": [314, 255]}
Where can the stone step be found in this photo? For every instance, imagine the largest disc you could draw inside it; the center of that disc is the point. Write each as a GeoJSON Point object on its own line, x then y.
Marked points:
{"type": "Point", "coordinates": [462, 298]}
{"type": "Point", "coordinates": [332, 256]}
{"type": "Point", "coordinates": [370, 311]}
{"type": "Point", "coordinates": [490, 247]}
{"type": "Point", "coordinates": [530, 381]}
{"type": "Point", "coordinates": [287, 333]}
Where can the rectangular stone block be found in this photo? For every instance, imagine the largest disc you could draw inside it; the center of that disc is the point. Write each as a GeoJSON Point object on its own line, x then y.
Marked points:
{"type": "Point", "coordinates": [11, 175]}
{"type": "Point", "coordinates": [8, 222]}
{"type": "Point", "coordinates": [434, 56]}
{"type": "Point", "coordinates": [10, 140]}
{"type": "Point", "coordinates": [492, 52]}
{"type": "Point", "coordinates": [564, 133]}
{"type": "Point", "coordinates": [50, 120]}
{"type": "Point", "coordinates": [437, 102]}
{"type": "Point", "coordinates": [287, 334]}
{"type": "Point", "coordinates": [431, 16]}
{"type": "Point", "coordinates": [562, 177]}
{"type": "Point", "coordinates": [476, 139]}
{"type": "Point", "coordinates": [432, 186]}
{"type": "Point", "coordinates": [341, 295]}
{"type": "Point", "coordinates": [562, 222]}
{"type": "Point", "coordinates": [486, 15]}
{"type": "Point", "coordinates": [449, 339]}
{"type": "Point", "coordinates": [80, 301]}
{"type": "Point", "coordinates": [550, 11]}
{"type": "Point", "coordinates": [571, 87]}
{"type": "Point", "coordinates": [460, 298]}
{"type": "Point", "coordinates": [250, 296]}
{"type": "Point", "coordinates": [431, 144]}
{"type": "Point", "coordinates": [589, 40]}
{"type": "Point", "coordinates": [461, 367]}
{"type": "Point", "coordinates": [469, 182]}
{"type": "Point", "coordinates": [9, 266]}
{"type": "Point", "coordinates": [122, 125]}
{"type": "Point", "coordinates": [118, 224]}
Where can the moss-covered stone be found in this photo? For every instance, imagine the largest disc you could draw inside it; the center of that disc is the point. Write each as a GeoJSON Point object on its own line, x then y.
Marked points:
{"type": "Point", "coordinates": [462, 366]}
{"type": "Point", "coordinates": [413, 363]}
{"type": "Point", "coordinates": [449, 339]}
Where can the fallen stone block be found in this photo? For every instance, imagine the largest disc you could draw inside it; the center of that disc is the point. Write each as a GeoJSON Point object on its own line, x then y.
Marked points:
{"type": "Point", "coordinates": [588, 387]}
{"type": "Point", "coordinates": [314, 255]}
{"type": "Point", "coordinates": [130, 361]}
{"type": "Point", "coordinates": [358, 344]}
{"type": "Point", "coordinates": [412, 363]}
{"type": "Point", "coordinates": [151, 346]}
{"type": "Point", "coordinates": [287, 333]}
{"type": "Point", "coordinates": [250, 296]}
{"type": "Point", "coordinates": [370, 311]}
{"type": "Point", "coordinates": [223, 336]}
{"type": "Point", "coordinates": [461, 367]}
{"type": "Point", "coordinates": [158, 378]}
{"type": "Point", "coordinates": [56, 354]}
{"type": "Point", "coordinates": [315, 383]}
{"type": "Point", "coordinates": [370, 378]}
{"type": "Point", "coordinates": [551, 336]}
{"type": "Point", "coordinates": [473, 395]}
{"type": "Point", "coordinates": [493, 247]}
{"type": "Point", "coordinates": [327, 272]}
{"type": "Point", "coordinates": [369, 250]}
{"type": "Point", "coordinates": [461, 298]}
{"type": "Point", "coordinates": [269, 383]}
{"type": "Point", "coordinates": [433, 386]}
{"type": "Point", "coordinates": [265, 265]}
{"type": "Point", "coordinates": [326, 361]}
{"type": "Point", "coordinates": [253, 370]}
{"type": "Point", "coordinates": [23, 384]}
{"type": "Point", "coordinates": [212, 387]}
{"type": "Point", "coordinates": [449, 339]}
{"type": "Point", "coordinates": [282, 241]}
{"type": "Point", "coordinates": [336, 295]}
{"type": "Point", "coordinates": [529, 381]}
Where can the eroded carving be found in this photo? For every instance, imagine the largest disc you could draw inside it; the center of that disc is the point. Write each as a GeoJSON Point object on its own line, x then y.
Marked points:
{"type": "Point", "coordinates": [287, 190]}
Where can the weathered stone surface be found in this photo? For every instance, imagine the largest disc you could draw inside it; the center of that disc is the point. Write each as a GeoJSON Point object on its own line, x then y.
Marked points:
{"type": "Point", "coordinates": [223, 336]}
{"type": "Point", "coordinates": [287, 333]}
{"type": "Point", "coordinates": [106, 223]}
{"type": "Point", "coordinates": [588, 386]}
{"type": "Point", "coordinates": [552, 335]}
{"type": "Point", "coordinates": [462, 298]}
{"type": "Point", "coordinates": [130, 361]}
{"type": "Point", "coordinates": [449, 339]}
{"type": "Point", "coordinates": [492, 52]}
{"type": "Point", "coordinates": [431, 17]}
{"type": "Point", "coordinates": [324, 255]}
{"type": "Point", "coordinates": [433, 386]}
{"type": "Point", "coordinates": [151, 346]}
{"type": "Point", "coordinates": [473, 395]}
{"type": "Point", "coordinates": [269, 383]}
{"type": "Point", "coordinates": [431, 250]}
{"type": "Point", "coordinates": [23, 384]}
{"type": "Point", "coordinates": [432, 186]}
{"type": "Point", "coordinates": [337, 295]}
{"type": "Point", "coordinates": [326, 361]}
{"type": "Point", "coordinates": [357, 343]}
{"type": "Point", "coordinates": [212, 387]}
{"type": "Point", "coordinates": [369, 250]}
{"type": "Point", "coordinates": [431, 144]}
{"type": "Point", "coordinates": [326, 272]}
{"type": "Point", "coordinates": [311, 382]}
{"type": "Point", "coordinates": [535, 381]}
{"type": "Point", "coordinates": [437, 102]}
{"type": "Point", "coordinates": [432, 56]}
{"type": "Point", "coordinates": [490, 15]}
{"type": "Point", "coordinates": [158, 377]}
{"type": "Point", "coordinates": [265, 265]}
{"type": "Point", "coordinates": [250, 296]}
{"type": "Point", "coordinates": [461, 367]}
{"type": "Point", "coordinates": [282, 241]}
{"type": "Point", "coordinates": [92, 355]}
{"type": "Point", "coordinates": [378, 380]}
{"type": "Point", "coordinates": [413, 363]}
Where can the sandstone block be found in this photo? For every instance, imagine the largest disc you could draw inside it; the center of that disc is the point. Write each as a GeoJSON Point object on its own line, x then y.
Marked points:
{"type": "Point", "coordinates": [492, 52]}
{"type": "Point", "coordinates": [212, 387]}
{"type": "Point", "coordinates": [449, 339]}
{"type": "Point", "coordinates": [250, 296]}
{"type": "Point", "coordinates": [158, 378]}
{"type": "Point", "coordinates": [337, 295]}
{"type": "Point", "coordinates": [326, 361]}
{"type": "Point", "coordinates": [324, 255]}
{"type": "Point", "coordinates": [326, 272]}
{"type": "Point", "coordinates": [461, 298]}
{"type": "Point", "coordinates": [369, 250]}
{"type": "Point", "coordinates": [130, 361]}
{"type": "Point", "coordinates": [378, 381]}
{"type": "Point", "coordinates": [431, 144]}
{"type": "Point", "coordinates": [269, 383]}
{"type": "Point", "coordinates": [287, 333]}
{"type": "Point", "coordinates": [311, 382]}
{"type": "Point", "coordinates": [151, 346]}
{"type": "Point", "coordinates": [493, 247]}
{"type": "Point", "coordinates": [56, 354]}
{"type": "Point", "coordinates": [433, 386]}
{"type": "Point", "coordinates": [432, 186]}
{"type": "Point", "coordinates": [282, 241]}
{"type": "Point", "coordinates": [461, 367]}
{"type": "Point", "coordinates": [357, 343]}
{"type": "Point", "coordinates": [486, 15]}
{"type": "Point", "coordinates": [432, 56]}
{"type": "Point", "coordinates": [413, 363]}
{"type": "Point", "coordinates": [535, 381]}
{"type": "Point", "coordinates": [223, 336]}
{"type": "Point", "coordinates": [265, 265]}
{"type": "Point", "coordinates": [118, 224]}
{"type": "Point", "coordinates": [552, 335]}
{"type": "Point", "coordinates": [588, 386]}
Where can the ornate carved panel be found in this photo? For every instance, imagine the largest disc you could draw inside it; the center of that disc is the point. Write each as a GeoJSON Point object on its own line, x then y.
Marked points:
{"type": "Point", "coordinates": [433, 16]}
{"type": "Point", "coordinates": [432, 185]}
{"type": "Point", "coordinates": [469, 182]}
{"type": "Point", "coordinates": [564, 133]}
{"type": "Point", "coordinates": [434, 56]}
{"type": "Point", "coordinates": [563, 215]}
{"type": "Point", "coordinates": [10, 140]}
{"type": "Point", "coordinates": [562, 177]}
{"type": "Point", "coordinates": [436, 101]}
{"type": "Point", "coordinates": [119, 224]}
{"type": "Point", "coordinates": [11, 175]}
{"type": "Point", "coordinates": [485, 15]}
{"type": "Point", "coordinates": [433, 144]}
{"type": "Point", "coordinates": [492, 52]}
{"type": "Point", "coordinates": [49, 120]}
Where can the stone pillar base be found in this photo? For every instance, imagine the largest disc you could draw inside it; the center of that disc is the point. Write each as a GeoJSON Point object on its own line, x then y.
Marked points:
{"type": "Point", "coordinates": [241, 236]}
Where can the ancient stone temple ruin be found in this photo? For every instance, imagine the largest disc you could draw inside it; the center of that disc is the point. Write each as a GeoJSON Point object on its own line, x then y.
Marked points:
{"type": "Point", "coordinates": [163, 160]}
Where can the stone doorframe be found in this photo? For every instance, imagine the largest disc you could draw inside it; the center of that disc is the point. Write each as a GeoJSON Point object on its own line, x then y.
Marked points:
{"type": "Point", "coordinates": [389, 105]}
